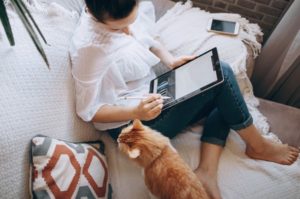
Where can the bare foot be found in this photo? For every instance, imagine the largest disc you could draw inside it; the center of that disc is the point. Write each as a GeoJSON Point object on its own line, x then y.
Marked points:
{"type": "Point", "coordinates": [274, 152]}
{"type": "Point", "coordinates": [210, 184]}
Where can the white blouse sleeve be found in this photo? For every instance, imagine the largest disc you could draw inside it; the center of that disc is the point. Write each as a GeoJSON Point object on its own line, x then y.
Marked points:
{"type": "Point", "coordinates": [145, 25]}
{"type": "Point", "coordinates": [93, 88]}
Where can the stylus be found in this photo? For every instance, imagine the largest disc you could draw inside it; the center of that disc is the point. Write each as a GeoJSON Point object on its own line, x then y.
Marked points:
{"type": "Point", "coordinates": [141, 97]}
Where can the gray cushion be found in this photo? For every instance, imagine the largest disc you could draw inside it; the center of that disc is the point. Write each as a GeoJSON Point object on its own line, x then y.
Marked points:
{"type": "Point", "coordinates": [283, 120]}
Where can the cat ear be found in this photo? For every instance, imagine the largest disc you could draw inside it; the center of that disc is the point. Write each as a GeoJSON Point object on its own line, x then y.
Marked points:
{"type": "Point", "coordinates": [134, 153]}
{"type": "Point", "coordinates": [137, 124]}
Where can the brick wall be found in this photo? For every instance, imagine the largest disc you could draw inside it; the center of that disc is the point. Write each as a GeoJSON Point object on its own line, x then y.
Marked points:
{"type": "Point", "coordinates": [264, 12]}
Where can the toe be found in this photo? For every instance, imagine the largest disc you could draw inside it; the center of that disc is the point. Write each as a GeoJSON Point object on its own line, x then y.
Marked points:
{"type": "Point", "coordinates": [295, 154]}
{"type": "Point", "coordinates": [293, 149]}
{"type": "Point", "coordinates": [292, 157]}
{"type": "Point", "coordinates": [290, 161]}
{"type": "Point", "coordinates": [295, 159]}
{"type": "Point", "coordinates": [297, 150]}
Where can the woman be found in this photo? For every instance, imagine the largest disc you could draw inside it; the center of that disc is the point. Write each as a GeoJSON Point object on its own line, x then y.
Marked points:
{"type": "Point", "coordinates": [112, 55]}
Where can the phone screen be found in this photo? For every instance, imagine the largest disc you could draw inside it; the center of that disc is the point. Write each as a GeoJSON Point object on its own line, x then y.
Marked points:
{"type": "Point", "coordinates": [224, 26]}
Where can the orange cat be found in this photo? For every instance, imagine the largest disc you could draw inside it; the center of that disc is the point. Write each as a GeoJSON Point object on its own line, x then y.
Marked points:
{"type": "Point", "coordinates": [166, 175]}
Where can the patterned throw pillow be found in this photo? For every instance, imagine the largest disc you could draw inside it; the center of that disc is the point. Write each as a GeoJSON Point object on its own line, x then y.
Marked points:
{"type": "Point", "coordinates": [65, 170]}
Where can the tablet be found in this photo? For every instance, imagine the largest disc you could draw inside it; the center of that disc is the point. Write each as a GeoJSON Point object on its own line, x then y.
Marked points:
{"type": "Point", "coordinates": [189, 79]}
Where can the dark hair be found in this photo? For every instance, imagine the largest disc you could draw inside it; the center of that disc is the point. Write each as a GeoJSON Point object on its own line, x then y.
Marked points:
{"type": "Point", "coordinates": [115, 9]}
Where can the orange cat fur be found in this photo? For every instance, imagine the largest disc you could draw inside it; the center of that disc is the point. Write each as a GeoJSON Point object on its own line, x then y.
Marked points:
{"type": "Point", "coordinates": [167, 176]}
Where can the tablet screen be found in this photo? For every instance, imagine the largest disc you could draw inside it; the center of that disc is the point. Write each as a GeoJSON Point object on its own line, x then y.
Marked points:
{"type": "Point", "coordinates": [194, 75]}
{"type": "Point", "coordinates": [197, 75]}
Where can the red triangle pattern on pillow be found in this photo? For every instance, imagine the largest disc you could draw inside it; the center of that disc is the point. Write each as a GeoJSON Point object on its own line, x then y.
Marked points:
{"type": "Point", "coordinates": [68, 170]}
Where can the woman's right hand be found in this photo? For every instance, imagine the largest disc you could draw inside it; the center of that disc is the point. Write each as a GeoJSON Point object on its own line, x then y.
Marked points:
{"type": "Point", "coordinates": [149, 108]}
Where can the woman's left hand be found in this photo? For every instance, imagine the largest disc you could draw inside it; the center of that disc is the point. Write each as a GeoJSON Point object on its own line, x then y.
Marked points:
{"type": "Point", "coordinates": [178, 61]}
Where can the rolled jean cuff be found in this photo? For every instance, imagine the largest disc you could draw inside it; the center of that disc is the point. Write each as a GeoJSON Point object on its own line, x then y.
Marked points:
{"type": "Point", "coordinates": [213, 140]}
{"type": "Point", "coordinates": [242, 125]}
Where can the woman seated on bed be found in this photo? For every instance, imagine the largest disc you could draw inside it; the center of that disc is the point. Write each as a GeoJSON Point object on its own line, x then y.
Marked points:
{"type": "Point", "coordinates": [113, 53]}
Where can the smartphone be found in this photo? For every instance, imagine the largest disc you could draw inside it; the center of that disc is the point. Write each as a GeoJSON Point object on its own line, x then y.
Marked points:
{"type": "Point", "coordinates": [223, 26]}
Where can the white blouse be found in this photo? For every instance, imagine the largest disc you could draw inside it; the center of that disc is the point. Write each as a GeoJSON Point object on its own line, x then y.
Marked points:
{"type": "Point", "coordinates": [107, 65]}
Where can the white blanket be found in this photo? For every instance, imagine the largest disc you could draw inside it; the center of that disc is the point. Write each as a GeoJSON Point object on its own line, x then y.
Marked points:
{"type": "Point", "coordinates": [183, 31]}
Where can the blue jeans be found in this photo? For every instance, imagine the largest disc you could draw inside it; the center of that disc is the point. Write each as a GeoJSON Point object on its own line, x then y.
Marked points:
{"type": "Point", "coordinates": [223, 105]}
